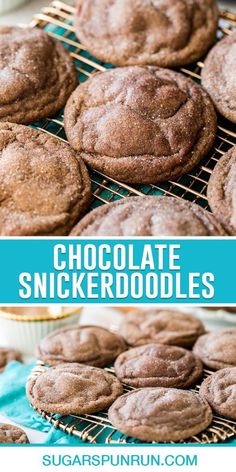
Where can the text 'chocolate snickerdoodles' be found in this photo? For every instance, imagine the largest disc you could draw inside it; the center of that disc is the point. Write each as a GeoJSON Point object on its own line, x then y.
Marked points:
{"type": "Point", "coordinates": [73, 388]}
{"type": "Point", "coordinates": [219, 389]}
{"type": "Point", "coordinates": [161, 326]}
{"type": "Point", "coordinates": [149, 216]}
{"type": "Point", "coordinates": [44, 185]}
{"type": "Point", "coordinates": [91, 345]}
{"type": "Point", "coordinates": [165, 33]}
{"type": "Point", "coordinates": [140, 124]}
{"type": "Point", "coordinates": [37, 75]}
{"type": "Point", "coordinates": [221, 191]}
{"type": "Point", "coordinates": [8, 355]}
{"type": "Point", "coordinates": [160, 414]}
{"type": "Point", "coordinates": [10, 434]}
{"type": "Point", "coordinates": [219, 76]}
{"type": "Point", "coordinates": [217, 349]}
{"type": "Point", "coordinates": [158, 365]}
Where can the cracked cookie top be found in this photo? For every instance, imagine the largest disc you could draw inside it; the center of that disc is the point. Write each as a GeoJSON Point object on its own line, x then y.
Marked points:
{"type": "Point", "coordinates": [73, 388]}
{"type": "Point", "coordinates": [219, 76]}
{"type": "Point", "coordinates": [37, 75]}
{"type": "Point", "coordinates": [221, 191]}
{"type": "Point", "coordinates": [161, 326]}
{"type": "Point", "coordinates": [160, 414]}
{"type": "Point", "coordinates": [91, 345]}
{"type": "Point", "coordinates": [167, 33]}
{"type": "Point", "coordinates": [158, 365]}
{"type": "Point", "coordinates": [219, 390]}
{"type": "Point", "coordinates": [44, 185]}
{"type": "Point", "coordinates": [140, 124]}
{"type": "Point", "coordinates": [149, 216]}
{"type": "Point", "coordinates": [217, 349]}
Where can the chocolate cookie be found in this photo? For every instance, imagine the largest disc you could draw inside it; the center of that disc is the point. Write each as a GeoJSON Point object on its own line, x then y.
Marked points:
{"type": "Point", "coordinates": [219, 389]}
{"type": "Point", "coordinates": [10, 434]}
{"type": "Point", "coordinates": [160, 414]}
{"type": "Point", "coordinates": [73, 388]}
{"type": "Point", "coordinates": [45, 186]}
{"type": "Point", "coordinates": [8, 355]}
{"type": "Point", "coordinates": [149, 216]}
{"type": "Point", "coordinates": [218, 76]}
{"type": "Point", "coordinates": [161, 326]}
{"type": "Point", "coordinates": [221, 190]}
{"type": "Point", "coordinates": [218, 349]}
{"type": "Point", "coordinates": [37, 75]}
{"type": "Point", "coordinates": [140, 124]}
{"type": "Point", "coordinates": [91, 345]}
{"type": "Point", "coordinates": [157, 365]}
{"type": "Point", "coordinates": [165, 33]}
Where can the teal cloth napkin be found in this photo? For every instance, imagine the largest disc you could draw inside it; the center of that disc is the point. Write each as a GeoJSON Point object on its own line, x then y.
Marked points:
{"type": "Point", "coordinates": [15, 405]}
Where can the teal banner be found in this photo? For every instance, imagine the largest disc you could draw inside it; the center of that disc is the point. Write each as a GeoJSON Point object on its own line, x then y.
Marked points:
{"type": "Point", "coordinates": [118, 271]}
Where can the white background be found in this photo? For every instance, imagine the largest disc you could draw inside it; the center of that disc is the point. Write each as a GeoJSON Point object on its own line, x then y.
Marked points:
{"type": "Point", "coordinates": [209, 458]}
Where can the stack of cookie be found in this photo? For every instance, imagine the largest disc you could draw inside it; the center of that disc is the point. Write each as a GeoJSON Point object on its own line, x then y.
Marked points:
{"type": "Point", "coordinates": [159, 354]}
{"type": "Point", "coordinates": [141, 122]}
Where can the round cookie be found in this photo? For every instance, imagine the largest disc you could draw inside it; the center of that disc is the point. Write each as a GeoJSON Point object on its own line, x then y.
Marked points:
{"type": "Point", "coordinates": [8, 355]}
{"type": "Point", "coordinates": [37, 75]}
{"type": "Point", "coordinates": [218, 76]}
{"type": "Point", "coordinates": [10, 434]}
{"type": "Point", "coordinates": [140, 124]}
{"type": "Point", "coordinates": [91, 345]}
{"type": "Point", "coordinates": [219, 390]}
{"type": "Point", "coordinates": [149, 216]}
{"type": "Point", "coordinates": [158, 365]}
{"type": "Point", "coordinates": [73, 388]}
{"type": "Point", "coordinates": [217, 349]}
{"type": "Point", "coordinates": [160, 414]}
{"type": "Point", "coordinates": [168, 33]}
{"type": "Point", "coordinates": [45, 186]}
{"type": "Point", "coordinates": [161, 326]}
{"type": "Point", "coordinates": [221, 191]}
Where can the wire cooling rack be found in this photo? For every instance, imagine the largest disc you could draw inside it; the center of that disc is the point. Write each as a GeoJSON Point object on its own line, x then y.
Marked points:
{"type": "Point", "coordinates": [97, 428]}
{"type": "Point", "coordinates": [57, 20]}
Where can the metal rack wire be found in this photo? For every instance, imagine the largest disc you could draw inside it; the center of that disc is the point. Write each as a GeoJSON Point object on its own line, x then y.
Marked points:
{"type": "Point", "coordinates": [57, 20]}
{"type": "Point", "coordinates": [97, 428]}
